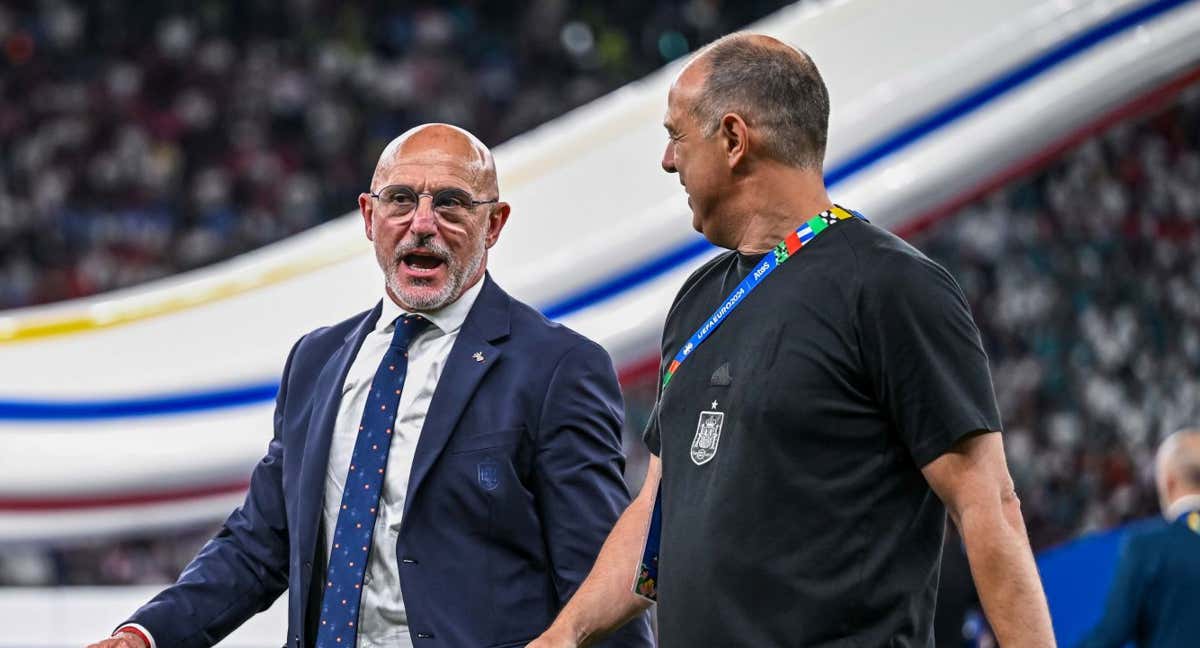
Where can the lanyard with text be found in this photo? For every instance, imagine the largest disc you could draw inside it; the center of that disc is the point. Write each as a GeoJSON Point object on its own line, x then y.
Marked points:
{"type": "Point", "coordinates": [646, 583]}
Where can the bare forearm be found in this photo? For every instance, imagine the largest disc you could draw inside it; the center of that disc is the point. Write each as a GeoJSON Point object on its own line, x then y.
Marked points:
{"type": "Point", "coordinates": [1005, 574]}
{"type": "Point", "coordinates": [605, 601]}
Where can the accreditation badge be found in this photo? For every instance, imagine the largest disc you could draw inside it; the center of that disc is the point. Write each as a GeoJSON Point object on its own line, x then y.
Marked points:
{"type": "Point", "coordinates": [708, 435]}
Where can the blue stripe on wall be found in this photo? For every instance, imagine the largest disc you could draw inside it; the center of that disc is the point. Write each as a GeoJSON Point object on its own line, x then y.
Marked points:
{"type": "Point", "coordinates": [182, 403]}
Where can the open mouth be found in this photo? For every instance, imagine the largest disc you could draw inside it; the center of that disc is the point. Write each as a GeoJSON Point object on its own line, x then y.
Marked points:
{"type": "Point", "coordinates": [422, 263]}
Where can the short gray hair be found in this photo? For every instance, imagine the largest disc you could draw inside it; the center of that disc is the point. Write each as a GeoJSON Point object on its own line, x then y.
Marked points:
{"type": "Point", "coordinates": [775, 89]}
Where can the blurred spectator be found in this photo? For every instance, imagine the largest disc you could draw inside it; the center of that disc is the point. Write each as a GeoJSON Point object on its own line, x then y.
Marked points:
{"type": "Point", "coordinates": [1155, 596]}
{"type": "Point", "coordinates": [142, 138]}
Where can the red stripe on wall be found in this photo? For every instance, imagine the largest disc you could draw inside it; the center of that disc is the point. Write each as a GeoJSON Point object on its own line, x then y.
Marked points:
{"type": "Point", "coordinates": [84, 502]}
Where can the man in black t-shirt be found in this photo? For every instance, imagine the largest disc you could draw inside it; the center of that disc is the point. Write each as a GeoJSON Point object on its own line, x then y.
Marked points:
{"type": "Point", "coordinates": [808, 446]}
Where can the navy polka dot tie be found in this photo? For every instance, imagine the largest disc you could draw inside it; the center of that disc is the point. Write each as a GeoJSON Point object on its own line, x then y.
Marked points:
{"type": "Point", "coordinates": [360, 499]}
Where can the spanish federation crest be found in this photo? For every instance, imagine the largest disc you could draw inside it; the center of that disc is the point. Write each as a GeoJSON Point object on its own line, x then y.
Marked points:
{"type": "Point", "coordinates": [489, 474]}
{"type": "Point", "coordinates": [708, 435]}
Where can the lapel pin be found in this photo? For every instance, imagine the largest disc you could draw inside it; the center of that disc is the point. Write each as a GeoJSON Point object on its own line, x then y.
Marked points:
{"type": "Point", "coordinates": [478, 356]}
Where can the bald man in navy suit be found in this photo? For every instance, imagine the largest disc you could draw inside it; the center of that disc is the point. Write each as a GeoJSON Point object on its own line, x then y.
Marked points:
{"type": "Point", "coordinates": [445, 466]}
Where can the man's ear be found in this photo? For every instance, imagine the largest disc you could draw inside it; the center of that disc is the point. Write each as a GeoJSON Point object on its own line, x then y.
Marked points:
{"type": "Point", "coordinates": [735, 137]}
{"type": "Point", "coordinates": [497, 218]}
{"type": "Point", "coordinates": [365, 207]}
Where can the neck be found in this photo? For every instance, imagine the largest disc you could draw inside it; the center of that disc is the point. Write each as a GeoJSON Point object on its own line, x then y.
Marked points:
{"type": "Point", "coordinates": [781, 199]}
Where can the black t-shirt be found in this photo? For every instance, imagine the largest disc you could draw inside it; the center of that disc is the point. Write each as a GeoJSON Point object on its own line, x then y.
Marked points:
{"type": "Point", "coordinates": [794, 509]}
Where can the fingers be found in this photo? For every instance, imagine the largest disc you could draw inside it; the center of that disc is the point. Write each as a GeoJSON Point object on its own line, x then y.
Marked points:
{"type": "Point", "coordinates": [122, 640]}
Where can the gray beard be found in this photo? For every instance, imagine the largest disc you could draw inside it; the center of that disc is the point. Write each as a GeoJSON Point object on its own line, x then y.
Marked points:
{"type": "Point", "coordinates": [456, 277]}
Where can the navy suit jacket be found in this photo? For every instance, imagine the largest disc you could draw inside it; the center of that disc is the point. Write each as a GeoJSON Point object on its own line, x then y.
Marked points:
{"type": "Point", "coordinates": [515, 485]}
{"type": "Point", "coordinates": [1155, 597]}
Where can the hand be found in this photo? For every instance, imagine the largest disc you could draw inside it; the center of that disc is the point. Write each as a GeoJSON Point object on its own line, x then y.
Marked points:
{"type": "Point", "coordinates": [121, 640]}
{"type": "Point", "coordinates": [553, 639]}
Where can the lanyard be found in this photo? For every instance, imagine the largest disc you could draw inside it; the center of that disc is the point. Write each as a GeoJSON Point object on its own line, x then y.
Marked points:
{"type": "Point", "coordinates": [781, 253]}
{"type": "Point", "coordinates": [646, 581]}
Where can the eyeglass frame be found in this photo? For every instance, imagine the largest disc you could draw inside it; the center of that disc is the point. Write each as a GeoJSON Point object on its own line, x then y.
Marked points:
{"type": "Point", "coordinates": [471, 203]}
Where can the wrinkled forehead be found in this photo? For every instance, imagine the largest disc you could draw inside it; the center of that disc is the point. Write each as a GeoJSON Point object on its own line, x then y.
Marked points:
{"type": "Point", "coordinates": [433, 169]}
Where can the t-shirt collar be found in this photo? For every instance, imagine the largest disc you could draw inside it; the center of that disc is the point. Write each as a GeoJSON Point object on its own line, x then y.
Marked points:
{"type": "Point", "coordinates": [447, 319]}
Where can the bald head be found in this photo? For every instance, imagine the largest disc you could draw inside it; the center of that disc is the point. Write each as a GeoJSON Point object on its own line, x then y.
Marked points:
{"type": "Point", "coordinates": [433, 212]}
{"type": "Point", "coordinates": [774, 87]}
{"type": "Point", "coordinates": [441, 144]}
{"type": "Point", "coordinates": [1178, 466]}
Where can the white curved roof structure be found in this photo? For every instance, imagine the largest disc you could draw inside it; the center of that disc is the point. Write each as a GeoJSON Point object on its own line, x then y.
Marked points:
{"type": "Point", "coordinates": [148, 407]}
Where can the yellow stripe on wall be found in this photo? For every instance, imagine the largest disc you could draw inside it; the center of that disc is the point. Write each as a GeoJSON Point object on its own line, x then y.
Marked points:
{"type": "Point", "coordinates": [136, 309]}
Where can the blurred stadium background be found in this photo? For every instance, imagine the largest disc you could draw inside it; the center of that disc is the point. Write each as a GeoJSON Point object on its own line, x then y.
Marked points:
{"type": "Point", "coordinates": [175, 180]}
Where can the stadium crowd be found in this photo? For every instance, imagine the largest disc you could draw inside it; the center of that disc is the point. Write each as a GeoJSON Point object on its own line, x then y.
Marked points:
{"type": "Point", "coordinates": [1085, 282]}
{"type": "Point", "coordinates": [143, 139]}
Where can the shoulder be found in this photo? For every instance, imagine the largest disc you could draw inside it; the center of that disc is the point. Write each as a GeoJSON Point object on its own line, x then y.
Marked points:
{"type": "Point", "coordinates": [533, 332]}
{"type": "Point", "coordinates": [327, 338]}
{"type": "Point", "coordinates": [883, 260]}
{"type": "Point", "coordinates": [891, 273]}
{"type": "Point", "coordinates": [1148, 536]}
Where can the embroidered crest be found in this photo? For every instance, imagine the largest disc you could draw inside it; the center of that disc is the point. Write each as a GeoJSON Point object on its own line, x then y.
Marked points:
{"type": "Point", "coordinates": [489, 474]}
{"type": "Point", "coordinates": [708, 435]}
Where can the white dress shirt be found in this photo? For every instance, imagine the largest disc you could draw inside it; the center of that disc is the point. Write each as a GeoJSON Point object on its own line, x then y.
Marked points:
{"type": "Point", "coordinates": [381, 617]}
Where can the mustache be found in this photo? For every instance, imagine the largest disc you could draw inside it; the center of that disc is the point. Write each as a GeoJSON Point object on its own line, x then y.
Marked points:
{"type": "Point", "coordinates": [426, 245]}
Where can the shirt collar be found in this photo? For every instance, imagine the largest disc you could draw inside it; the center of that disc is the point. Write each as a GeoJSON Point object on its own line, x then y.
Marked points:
{"type": "Point", "coordinates": [447, 319]}
{"type": "Point", "coordinates": [1185, 504]}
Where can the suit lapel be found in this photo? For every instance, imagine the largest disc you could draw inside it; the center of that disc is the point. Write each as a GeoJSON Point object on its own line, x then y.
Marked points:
{"type": "Point", "coordinates": [320, 430]}
{"type": "Point", "coordinates": [487, 322]}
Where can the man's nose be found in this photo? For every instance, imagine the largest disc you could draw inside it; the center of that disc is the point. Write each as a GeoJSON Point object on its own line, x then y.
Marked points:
{"type": "Point", "coordinates": [424, 221]}
{"type": "Point", "coordinates": [668, 160]}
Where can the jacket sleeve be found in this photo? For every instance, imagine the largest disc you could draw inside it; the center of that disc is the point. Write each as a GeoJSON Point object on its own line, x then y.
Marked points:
{"type": "Point", "coordinates": [1119, 623]}
{"type": "Point", "coordinates": [578, 483]}
{"type": "Point", "coordinates": [241, 571]}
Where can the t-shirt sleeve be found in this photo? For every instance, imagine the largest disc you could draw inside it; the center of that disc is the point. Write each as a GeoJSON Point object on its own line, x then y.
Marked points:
{"type": "Point", "coordinates": [923, 354]}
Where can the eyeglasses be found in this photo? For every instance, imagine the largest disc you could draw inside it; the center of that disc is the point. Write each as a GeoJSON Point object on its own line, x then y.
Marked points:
{"type": "Point", "coordinates": [449, 204]}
